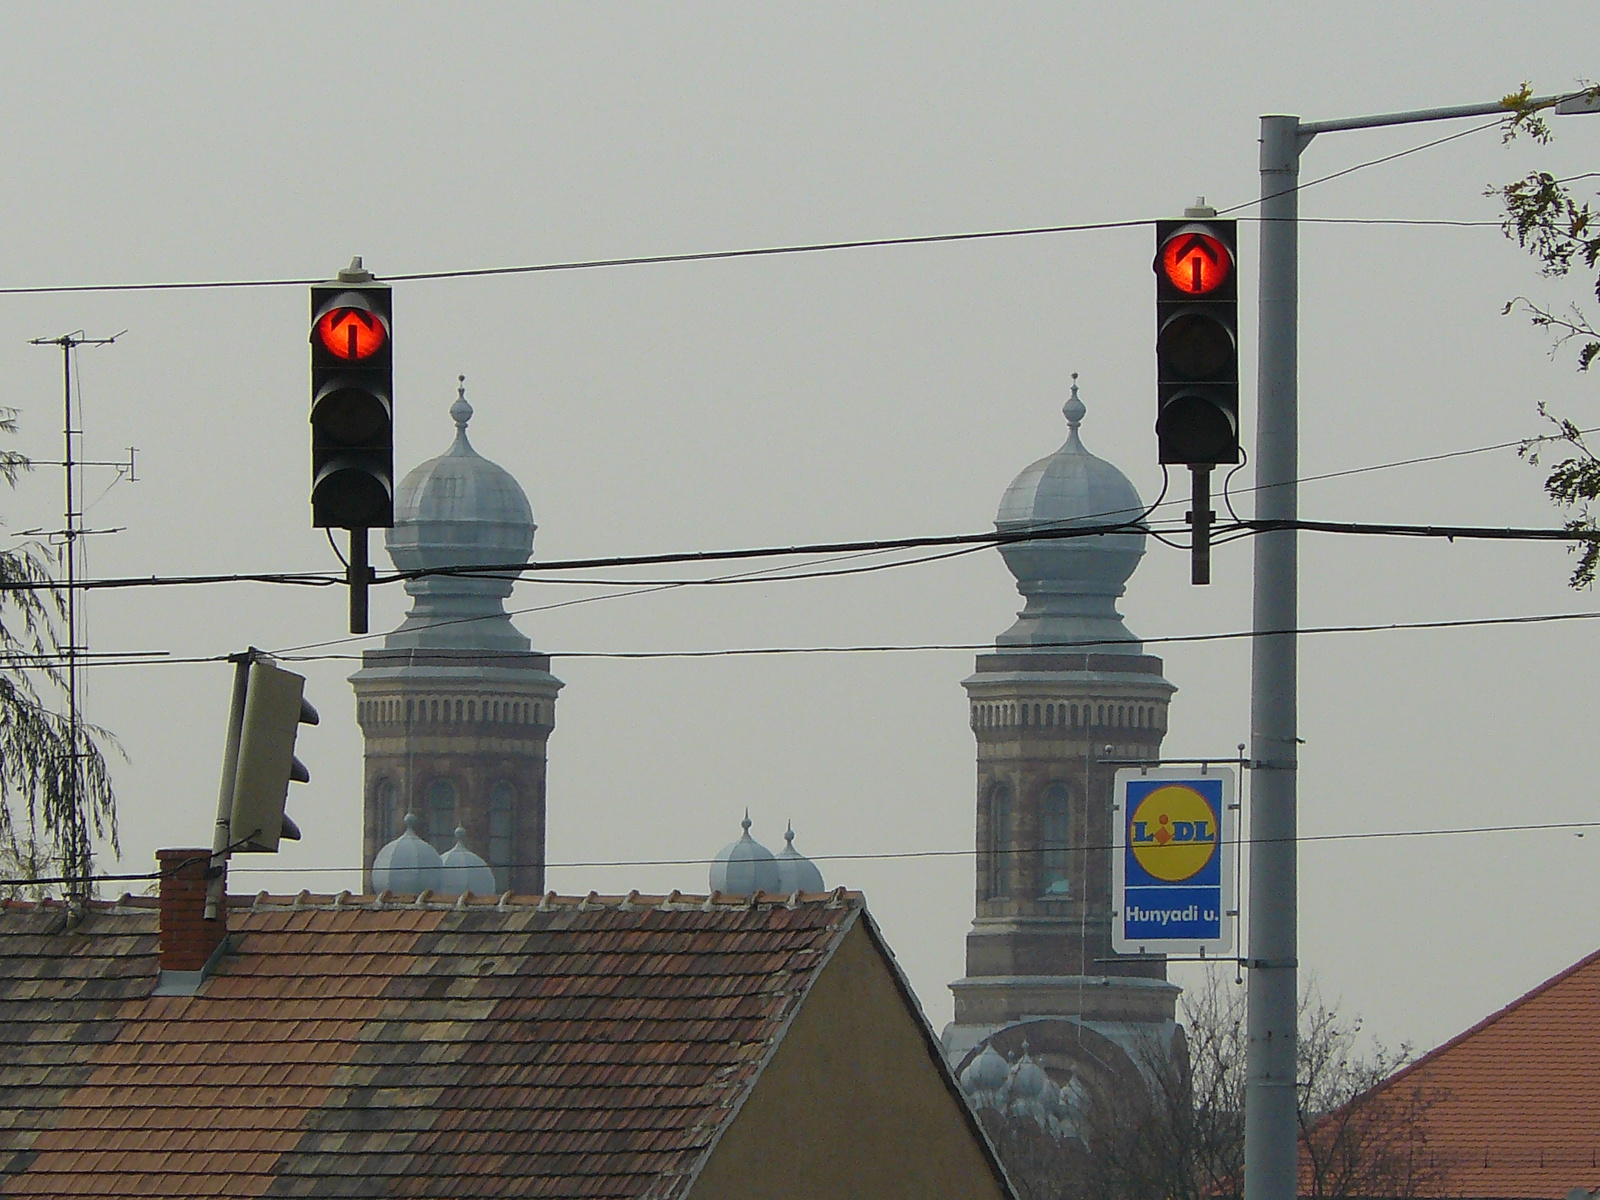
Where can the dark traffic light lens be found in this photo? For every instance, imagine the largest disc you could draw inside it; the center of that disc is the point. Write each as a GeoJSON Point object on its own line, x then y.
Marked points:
{"type": "Point", "coordinates": [1195, 429]}
{"type": "Point", "coordinates": [351, 333]}
{"type": "Point", "coordinates": [348, 495]}
{"type": "Point", "coordinates": [350, 415]}
{"type": "Point", "coordinates": [1195, 345]}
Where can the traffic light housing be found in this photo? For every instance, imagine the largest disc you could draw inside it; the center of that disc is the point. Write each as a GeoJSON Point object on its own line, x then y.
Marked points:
{"type": "Point", "coordinates": [274, 709]}
{"type": "Point", "coordinates": [352, 402]}
{"type": "Point", "coordinates": [1197, 341]}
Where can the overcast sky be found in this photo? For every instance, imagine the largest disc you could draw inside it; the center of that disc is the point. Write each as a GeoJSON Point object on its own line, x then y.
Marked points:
{"type": "Point", "coordinates": [853, 394]}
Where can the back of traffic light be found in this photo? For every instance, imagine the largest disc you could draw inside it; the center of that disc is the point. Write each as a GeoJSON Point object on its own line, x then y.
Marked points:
{"type": "Point", "coordinates": [1197, 357]}
{"type": "Point", "coordinates": [352, 417]}
{"type": "Point", "coordinates": [274, 709]}
{"type": "Point", "coordinates": [258, 764]}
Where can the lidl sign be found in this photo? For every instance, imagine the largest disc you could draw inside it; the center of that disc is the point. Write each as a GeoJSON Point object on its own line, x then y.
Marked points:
{"type": "Point", "coordinates": [1172, 861]}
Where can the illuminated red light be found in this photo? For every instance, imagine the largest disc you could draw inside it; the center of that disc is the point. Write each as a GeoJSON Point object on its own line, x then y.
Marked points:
{"type": "Point", "coordinates": [351, 333]}
{"type": "Point", "coordinates": [1195, 263]}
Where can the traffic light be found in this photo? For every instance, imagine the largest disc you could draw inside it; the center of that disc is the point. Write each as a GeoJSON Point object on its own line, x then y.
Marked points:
{"type": "Point", "coordinates": [274, 709]}
{"type": "Point", "coordinates": [1197, 340]}
{"type": "Point", "coordinates": [352, 402]}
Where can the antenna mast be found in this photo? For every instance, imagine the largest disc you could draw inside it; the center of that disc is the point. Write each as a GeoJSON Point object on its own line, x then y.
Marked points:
{"type": "Point", "coordinates": [79, 859]}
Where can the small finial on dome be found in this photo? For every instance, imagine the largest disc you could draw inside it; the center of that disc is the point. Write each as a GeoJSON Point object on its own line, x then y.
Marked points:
{"type": "Point", "coordinates": [745, 824]}
{"type": "Point", "coordinates": [411, 822]}
{"type": "Point", "coordinates": [461, 836]}
{"type": "Point", "coordinates": [461, 411]}
{"type": "Point", "coordinates": [1074, 408]}
{"type": "Point", "coordinates": [788, 836]}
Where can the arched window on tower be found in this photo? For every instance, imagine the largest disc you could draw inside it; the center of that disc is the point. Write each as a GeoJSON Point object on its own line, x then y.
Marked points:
{"type": "Point", "coordinates": [1055, 825]}
{"type": "Point", "coordinates": [502, 831]}
{"type": "Point", "coordinates": [1002, 855]}
{"type": "Point", "coordinates": [441, 815]}
{"type": "Point", "coordinates": [384, 819]}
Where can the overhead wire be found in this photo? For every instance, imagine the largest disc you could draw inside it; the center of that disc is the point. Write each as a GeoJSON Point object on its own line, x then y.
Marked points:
{"type": "Point", "coordinates": [331, 578]}
{"type": "Point", "coordinates": [1371, 162]}
{"type": "Point", "coordinates": [773, 251]}
{"type": "Point", "coordinates": [294, 655]}
{"type": "Point", "coordinates": [639, 260]}
{"type": "Point", "coordinates": [866, 856]}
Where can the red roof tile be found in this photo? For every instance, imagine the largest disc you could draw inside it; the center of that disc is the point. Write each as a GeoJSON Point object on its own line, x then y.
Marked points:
{"type": "Point", "coordinates": [1511, 1107]}
{"type": "Point", "coordinates": [556, 1048]}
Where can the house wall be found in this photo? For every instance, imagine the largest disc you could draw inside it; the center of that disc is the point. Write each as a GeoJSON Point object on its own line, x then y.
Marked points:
{"type": "Point", "coordinates": [852, 1104]}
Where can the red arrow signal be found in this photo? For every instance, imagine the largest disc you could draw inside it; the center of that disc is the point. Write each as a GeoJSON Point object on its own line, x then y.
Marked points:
{"type": "Point", "coordinates": [1195, 263]}
{"type": "Point", "coordinates": [351, 333]}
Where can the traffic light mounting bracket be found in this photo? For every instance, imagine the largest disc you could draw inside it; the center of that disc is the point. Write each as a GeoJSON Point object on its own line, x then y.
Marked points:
{"type": "Point", "coordinates": [1200, 518]}
{"type": "Point", "coordinates": [358, 575]}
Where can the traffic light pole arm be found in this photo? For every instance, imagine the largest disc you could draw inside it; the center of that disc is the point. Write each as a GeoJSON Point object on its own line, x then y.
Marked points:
{"type": "Point", "coordinates": [1271, 1128]}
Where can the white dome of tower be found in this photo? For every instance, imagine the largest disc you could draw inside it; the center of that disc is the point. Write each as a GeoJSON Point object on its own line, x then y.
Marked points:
{"type": "Point", "coordinates": [1071, 585]}
{"type": "Point", "coordinates": [796, 872]}
{"type": "Point", "coordinates": [407, 866]}
{"type": "Point", "coordinates": [459, 510]}
{"type": "Point", "coordinates": [986, 1074]}
{"type": "Point", "coordinates": [745, 867]}
{"type": "Point", "coordinates": [461, 871]}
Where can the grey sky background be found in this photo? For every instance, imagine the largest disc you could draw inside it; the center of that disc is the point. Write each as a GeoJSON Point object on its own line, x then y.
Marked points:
{"type": "Point", "coordinates": [854, 394]}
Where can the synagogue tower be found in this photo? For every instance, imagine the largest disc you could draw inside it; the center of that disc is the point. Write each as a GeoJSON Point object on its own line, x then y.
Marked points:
{"type": "Point", "coordinates": [456, 708]}
{"type": "Point", "coordinates": [1066, 691]}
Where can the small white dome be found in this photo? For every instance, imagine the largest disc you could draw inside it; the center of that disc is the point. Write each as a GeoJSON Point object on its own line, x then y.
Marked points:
{"type": "Point", "coordinates": [745, 867]}
{"type": "Point", "coordinates": [1028, 1080]}
{"type": "Point", "coordinates": [986, 1073]}
{"type": "Point", "coordinates": [796, 872]}
{"type": "Point", "coordinates": [407, 866]}
{"type": "Point", "coordinates": [461, 871]}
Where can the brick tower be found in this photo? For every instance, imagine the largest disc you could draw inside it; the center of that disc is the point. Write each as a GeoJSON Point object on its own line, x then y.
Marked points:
{"type": "Point", "coordinates": [1066, 687]}
{"type": "Point", "coordinates": [456, 708]}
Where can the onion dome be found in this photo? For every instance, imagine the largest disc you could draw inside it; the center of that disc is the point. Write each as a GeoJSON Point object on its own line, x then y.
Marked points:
{"type": "Point", "coordinates": [407, 866]}
{"type": "Point", "coordinates": [1028, 1080]}
{"type": "Point", "coordinates": [1071, 585]}
{"type": "Point", "coordinates": [745, 867]}
{"type": "Point", "coordinates": [985, 1074]}
{"type": "Point", "coordinates": [459, 509]}
{"type": "Point", "coordinates": [461, 871]}
{"type": "Point", "coordinates": [796, 872]}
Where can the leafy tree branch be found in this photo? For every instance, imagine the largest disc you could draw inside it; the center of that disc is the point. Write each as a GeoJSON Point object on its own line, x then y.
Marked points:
{"type": "Point", "coordinates": [1546, 217]}
{"type": "Point", "coordinates": [55, 787]}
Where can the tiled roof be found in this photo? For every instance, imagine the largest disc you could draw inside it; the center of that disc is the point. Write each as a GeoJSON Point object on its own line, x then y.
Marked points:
{"type": "Point", "coordinates": [1511, 1107]}
{"type": "Point", "coordinates": [346, 1047]}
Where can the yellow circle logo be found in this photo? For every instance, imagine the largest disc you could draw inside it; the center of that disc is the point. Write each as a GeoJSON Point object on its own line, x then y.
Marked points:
{"type": "Point", "coordinates": [1173, 833]}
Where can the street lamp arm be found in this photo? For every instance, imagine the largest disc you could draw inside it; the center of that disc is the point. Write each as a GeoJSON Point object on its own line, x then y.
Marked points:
{"type": "Point", "coordinates": [1310, 129]}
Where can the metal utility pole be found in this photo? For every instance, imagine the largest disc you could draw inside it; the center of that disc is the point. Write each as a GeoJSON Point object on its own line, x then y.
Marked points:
{"type": "Point", "coordinates": [1271, 1128]}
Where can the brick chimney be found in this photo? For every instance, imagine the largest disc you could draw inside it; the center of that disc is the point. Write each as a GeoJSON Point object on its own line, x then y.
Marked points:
{"type": "Point", "coordinates": [187, 938]}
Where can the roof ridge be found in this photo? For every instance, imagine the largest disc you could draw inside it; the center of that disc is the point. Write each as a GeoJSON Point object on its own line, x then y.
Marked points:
{"type": "Point", "coordinates": [1492, 1019]}
{"type": "Point", "coordinates": [633, 901]}
{"type": "Point", "coordinates": [387, 901]}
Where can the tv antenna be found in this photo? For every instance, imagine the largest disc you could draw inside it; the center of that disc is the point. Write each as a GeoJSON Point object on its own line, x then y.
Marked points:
{"type": "Point", "coordinates": [79, 858]}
